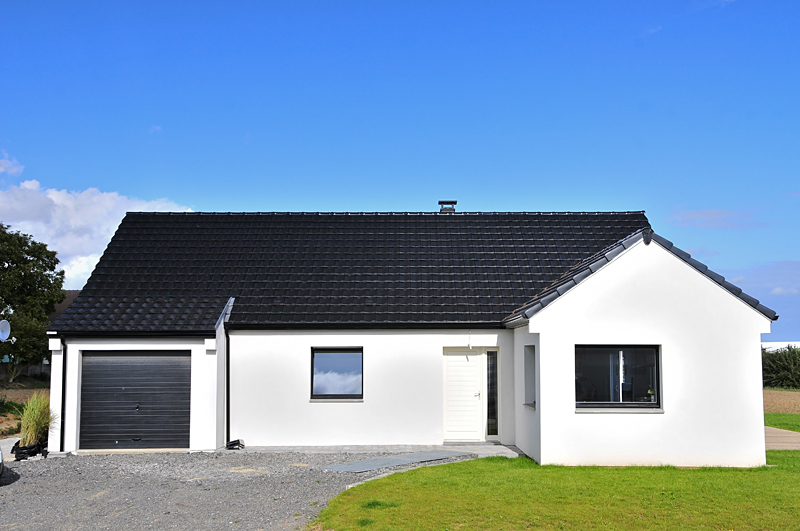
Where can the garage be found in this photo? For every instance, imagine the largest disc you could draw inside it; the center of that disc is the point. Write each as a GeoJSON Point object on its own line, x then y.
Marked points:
{"type": "Point", "coordinates": [135, 399]}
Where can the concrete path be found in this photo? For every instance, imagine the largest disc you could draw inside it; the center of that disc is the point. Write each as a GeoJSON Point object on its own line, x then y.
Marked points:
{"type": "Point", "coordinates": [6, 445]}
{"type": "Point", "coordinates": [365, 465]}
{"type": "Point", "coordinates": [481, 450]}
{"type": "Point", "coordinates": [781, 439]}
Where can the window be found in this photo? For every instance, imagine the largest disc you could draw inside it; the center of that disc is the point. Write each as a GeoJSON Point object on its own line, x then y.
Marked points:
{"type": "Point", "coordinates": [529, 362]}
{"type": "Point", "coordinates": [337, 373]}
{"type": "Point", "coordinates": [617, 376]}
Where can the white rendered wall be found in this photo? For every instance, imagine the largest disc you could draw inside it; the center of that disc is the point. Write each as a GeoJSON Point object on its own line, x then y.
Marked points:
{"type": "Point", "coordinates": [528, 433]}
{"type": "Point", "coordinates": [270, 387]}
{"type": "Point", "coordinates": [56, 379]}
{"type": "Point", "coordinates": [202, 434]}
{"type": "Point", "coordinates": [712, 405]}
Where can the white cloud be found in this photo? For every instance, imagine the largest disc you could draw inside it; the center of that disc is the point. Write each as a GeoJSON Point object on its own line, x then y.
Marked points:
{"type": "Point", "coordinates": [10, 165]}
{"type": "Point", "coordinates": [784, 291]}
{"type": "Point", "coordinates": [155, 129]}
{"type": "Point", "coordinates": [337, 383]}
{"type": "Point", "coordinates": [715, 219]}
{"type": "Point", "coordinates": [78, 224]}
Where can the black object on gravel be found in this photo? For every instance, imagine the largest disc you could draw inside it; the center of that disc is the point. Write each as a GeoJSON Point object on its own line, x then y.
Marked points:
{"type": "Point", "coordinates": [25, 452]}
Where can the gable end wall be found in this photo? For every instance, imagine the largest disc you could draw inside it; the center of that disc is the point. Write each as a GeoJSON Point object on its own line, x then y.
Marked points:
{"type": "Point", "coordinates": [712, 406]}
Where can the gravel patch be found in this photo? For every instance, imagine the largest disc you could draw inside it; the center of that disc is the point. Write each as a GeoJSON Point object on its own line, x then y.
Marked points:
{"type": "Point", "coordinates": [781, 401]}
{"type": "Point", "coordinates": [176, 490]}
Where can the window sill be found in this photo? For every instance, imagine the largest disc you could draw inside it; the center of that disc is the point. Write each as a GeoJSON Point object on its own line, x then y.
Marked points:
{"type": "Point", "coordinates": [623, 410]}
{"type": "Point", "coordinates": [531, 405]}
{"type": "Point", "coordinates": [336, 400]}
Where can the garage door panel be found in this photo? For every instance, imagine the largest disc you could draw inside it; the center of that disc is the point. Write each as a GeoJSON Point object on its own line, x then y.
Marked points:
{"type": "Point", "coordinates": [135, 399]}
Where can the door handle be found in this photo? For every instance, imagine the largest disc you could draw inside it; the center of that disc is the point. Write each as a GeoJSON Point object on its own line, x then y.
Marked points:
{"type": "Point", "coordinates": [478, 394]}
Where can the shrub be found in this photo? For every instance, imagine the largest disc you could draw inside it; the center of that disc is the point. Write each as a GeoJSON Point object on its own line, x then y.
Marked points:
{"type": "Point", "coordinates": [36, 419]}
{"type": "Point", "coordinates": [781, 368]}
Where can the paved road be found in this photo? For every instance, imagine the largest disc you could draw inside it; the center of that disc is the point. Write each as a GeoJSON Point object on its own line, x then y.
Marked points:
{"type": "Point", "coordinates": [781, 439]}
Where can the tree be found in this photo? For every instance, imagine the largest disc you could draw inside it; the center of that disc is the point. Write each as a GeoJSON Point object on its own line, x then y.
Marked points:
{"type": "Point", "coordinates": [30, 288]}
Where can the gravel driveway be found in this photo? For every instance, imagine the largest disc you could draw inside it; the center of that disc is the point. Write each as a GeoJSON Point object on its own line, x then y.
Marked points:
{"type": "Point", "coordinates": [173, 490]}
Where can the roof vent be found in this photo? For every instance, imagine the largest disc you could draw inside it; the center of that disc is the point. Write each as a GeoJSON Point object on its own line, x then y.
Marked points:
{"type": "Point", "coordinates": [447, 206]}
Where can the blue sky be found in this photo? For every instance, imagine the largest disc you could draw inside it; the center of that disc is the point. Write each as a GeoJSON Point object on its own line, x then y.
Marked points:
{"type": "Point", "coordinates": [688, 110]}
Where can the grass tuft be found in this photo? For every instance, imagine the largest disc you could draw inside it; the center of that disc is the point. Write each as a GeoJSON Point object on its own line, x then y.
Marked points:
{"type": "Point", "coordinates": [364, 522]}
{"type": "Point", "coordinates": [36, 419]}
{"type": "Point", "coordinates": [378, 504]}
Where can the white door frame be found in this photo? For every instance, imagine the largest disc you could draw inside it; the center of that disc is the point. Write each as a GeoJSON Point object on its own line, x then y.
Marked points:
{"type": "Point", "coordinates": [480, 353]}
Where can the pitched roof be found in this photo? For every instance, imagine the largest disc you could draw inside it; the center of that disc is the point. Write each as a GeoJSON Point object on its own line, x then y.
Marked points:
{"type": "Point", "coordinates": [174, 273]}
{"type": "Point", "coordinates": [582, 270]}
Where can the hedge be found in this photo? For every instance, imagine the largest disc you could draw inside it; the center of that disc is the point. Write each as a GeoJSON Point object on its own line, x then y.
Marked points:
{"type": "Point", "coordinates": [781, 367]}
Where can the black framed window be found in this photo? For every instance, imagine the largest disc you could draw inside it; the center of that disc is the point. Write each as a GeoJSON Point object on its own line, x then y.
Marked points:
{"type": "Point", "coordinates": [337, 373]}
{"type": "Point", "coordinates": [617, 376]}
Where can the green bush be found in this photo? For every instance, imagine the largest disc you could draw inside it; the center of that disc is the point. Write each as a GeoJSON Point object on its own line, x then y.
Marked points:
{"type": "Point", "coordinates": [781, 368]}
{"type": "Point", "coordinates": [36, 419]}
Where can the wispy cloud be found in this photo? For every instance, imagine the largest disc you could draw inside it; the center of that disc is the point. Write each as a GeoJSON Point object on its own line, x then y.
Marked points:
{"type": "Point", "coordinates": [714, 219]}
{"type": "Point", "coordinates": [337, 383]}
{"type": "Point", "coordinates": [784, 291]}
{"type": "Point", "coordinates": [10, 165]}
{"type": "Point", "coordinates": [155, 129]}
{"type": "Point", "coordinates": [796, 195]}
{"type": "Point", "coordinates": [76, 224]}
{"type": "Point", "coordinates": [702, 5]}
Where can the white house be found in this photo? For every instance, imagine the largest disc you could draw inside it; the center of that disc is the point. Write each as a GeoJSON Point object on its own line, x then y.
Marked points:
{"type": "Point", "coordinates": [582, 338]}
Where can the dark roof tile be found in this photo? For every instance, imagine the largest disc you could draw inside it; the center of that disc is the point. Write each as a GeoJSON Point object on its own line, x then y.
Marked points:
{"type": "Point", "coordinates": [174, 272]}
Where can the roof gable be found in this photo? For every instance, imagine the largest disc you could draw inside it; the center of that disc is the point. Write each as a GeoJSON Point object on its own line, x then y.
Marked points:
{"type": "Point", "coordinates": [174, 273]}
{"type": "Point", "coordinates": [582, 270]}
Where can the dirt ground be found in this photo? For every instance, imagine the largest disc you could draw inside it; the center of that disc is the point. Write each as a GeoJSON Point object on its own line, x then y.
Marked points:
{"type": "Point", "coordinates": [781, 401]}
{"type": "Point", "coordinates": [19, 396]}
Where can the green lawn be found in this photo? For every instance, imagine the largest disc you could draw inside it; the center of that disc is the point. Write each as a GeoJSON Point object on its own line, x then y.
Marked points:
{"type": "Point", "coordinates": [511, 494]}
{"type": "Point", "coordinates": [784, 421]}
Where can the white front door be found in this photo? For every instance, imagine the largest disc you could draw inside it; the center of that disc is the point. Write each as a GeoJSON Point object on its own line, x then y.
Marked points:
{"type": "Point", "coordinates": [464, 400]}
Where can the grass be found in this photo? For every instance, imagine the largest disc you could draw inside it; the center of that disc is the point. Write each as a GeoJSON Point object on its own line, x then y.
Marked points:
{"type": "Point", "coordinates": [792, 389]}
{"type": "Point", "coordinates": [784, 421]}
{"type": "Point", "coordinates": [36, 419]}
{"type": "Point", "coordinates": [510, 494]}
{"type": "Point", "coordinates": [9, 406]}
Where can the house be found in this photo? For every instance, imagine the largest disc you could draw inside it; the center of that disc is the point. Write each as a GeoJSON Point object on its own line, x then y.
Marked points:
{"type": "Point", "coordinates": [582, 338]}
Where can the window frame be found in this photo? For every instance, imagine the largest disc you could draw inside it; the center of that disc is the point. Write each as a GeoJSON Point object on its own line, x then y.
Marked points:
{"type": "Point", "coordinates": [657, 405]}
{"type": "Point", "coordinates": [337, 350]}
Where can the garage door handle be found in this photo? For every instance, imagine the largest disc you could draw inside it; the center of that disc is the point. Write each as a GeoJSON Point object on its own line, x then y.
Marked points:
{"type": "Point", "coordinates": [136, 439]}
{"type": "Point", "coordinates": [137, 407]}
{"type": "Point", "coordinates": [478, 395]}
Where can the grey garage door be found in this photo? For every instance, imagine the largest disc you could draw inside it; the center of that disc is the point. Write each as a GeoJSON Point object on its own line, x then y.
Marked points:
{"type": "Point", "coordinates": [135, 399]}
